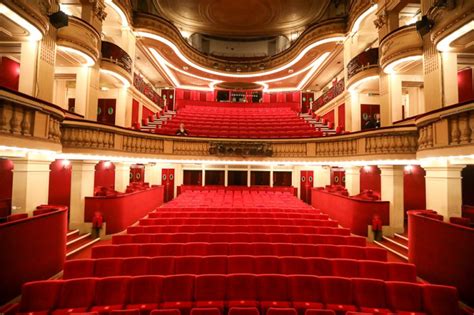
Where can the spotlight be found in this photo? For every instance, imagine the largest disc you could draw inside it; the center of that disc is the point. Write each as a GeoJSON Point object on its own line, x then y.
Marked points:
{"type": "Point", "coordinates": [59, 19]}
{"type": "Point", "coordinates": [424, 25]}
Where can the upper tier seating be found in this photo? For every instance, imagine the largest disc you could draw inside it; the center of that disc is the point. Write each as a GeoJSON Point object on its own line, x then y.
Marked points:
{"type": "Point", "coordinates": [252, 121]}
{"type": "Point", "coordinates": [185, 292]}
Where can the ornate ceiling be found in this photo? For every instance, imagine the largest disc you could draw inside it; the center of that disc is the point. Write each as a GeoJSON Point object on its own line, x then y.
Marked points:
{"type": "Point", "coordinates": [242, 18]}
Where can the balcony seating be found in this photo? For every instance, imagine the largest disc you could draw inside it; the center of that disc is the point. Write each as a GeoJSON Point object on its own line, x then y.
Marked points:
{"type": "Point", "coordinates": [249, 122]}
{"type": "Point", "coordinates": [238, 215]}
{"type": "Point", "coordinates": [168, 265]}
{"type": "Point", "coordinates": [265, 292]}
{"type": "Point", "coordinates": [238, 221]}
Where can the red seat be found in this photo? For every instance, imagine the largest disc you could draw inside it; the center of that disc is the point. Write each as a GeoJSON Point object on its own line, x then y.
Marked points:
{"type": "Point", "coordinates": [241, 264]}
{"type": "Point", "coordinates": [144, 293]}
{"type": "Point", "coordinates": [320, 266]}
{"type": "Point", "coordinates": [205, 311]}
{"type": "Point", "coordinates": [320, 312]}
{"type": "Point", "coordinates": [440, 299]}
{"type": "Point", "coordinates": [348, 268]}
{"type": "Point", "coordinates": [187, 265]}
{"type": "Point", "coordinates": [294, 265]}
{"type": "Point", "coordinates": [135, 266]}
{"type": "Point", "coordinates": [373, 270]}
{"type": "Point", "coordinates": [305, 292]}
{"type": "Point", "coordinates": [281, 311]}
{"type": "Point", "coordinates": [213, 265]}
{"type": "Point", "coordinates": [337, 294]}
{"type": "Point", "coordinates": [267, 265]}
{"type": "Point", "coordinates": [209, 291]}
{"type": "Point", "coordinates": [125, 312]}
{"type": "Point", "coordinates": [39, 297]}
{"type": "Point", "coordinates": [243, 311]}
{"type": "Point", "coordinates": [70, 301]}
{"type": "Point", "coordinates": [161, 266]}
{"type": "Point", "coordinates": [110, 294]}
{"type": "Point", "coordinates": [401, 272]}
{"type": "Point", "coordinates": [405, 297]}
{"type": "Point", "coordinates": [177, 293]}
{"type": "Point", "coordinates": [108, 267]}
{"type": "Point", "coordinates": [78, 268]}
{"type": "Point", "coordinates": [241, 290]}
{"type": "Point", "coordinates": [369, 295]}
{"type": "Point", "coordinates": [272, 291]}
{"type": "Point", "coordinates": [166, 312]}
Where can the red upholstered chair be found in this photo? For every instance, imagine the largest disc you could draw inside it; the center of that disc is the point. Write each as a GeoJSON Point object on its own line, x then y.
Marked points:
{"type": "Point", "coordinates": [440, 299]}
{"type": "Point", "coordinates": [243, 311]}
{"type": "Point", "coordinates": [267, 265]}
{"type": "Point", "coordinates": [460, 221]}
{"type": "Point", "coordinates": [186, 265]}
{"type": "Point", "coordinates": [373, 270]}
{"type": "Point", "coordinates": [281, 311]}
{"type": "Point", "coordinates": [70, 301]}
{"type": "Point", "coordinates": [241, 290]}
{"type": "Point", "coordinates": [78, 268]}
{"type": "Point", "coordinates": [205, 311]}
{"type": "Point", "coordinates": [305, 292]}
{"type": "Point", "coordinates": [369, 295]}
{"type": "Point", "coordinates": [166, 312]}
{"type": "Point", "coordinates": [320, 312]}
{"type": "Point", "coordinates": [213, 265]}
{"type": "Point", "coordinates": [320, 266]}
{"type": "Point", "coordinates": [294, 265]}
{"type": "Point", "coordinates": [39, 297]}
{"type": "Point", "coordinates": [110, 294]}
{"type": "Point", "coordinates": [348, 268]}
{"type": "Point", "coordinates": [405, 297]}
{"type": "Point", "coordinates": [178, 292]}
{"type": "Point", "coordinates": [337, 294]}
{"type": "Point", "coordinates": [144, 122]}
{"type": "Point", "coordinates": [135, 266]}
{"type": "Point", "coordinates": [401, 272]}
{"type": "Point", "coordinates": [107, 267]}
{"type": "Point", "coordinates": [144, 293]}
{"type": "Point", "coordinates": [241, 264]}
{"type": "Point", "coordinates": [272, 291]}
{"type": "Point", "coordinates": [329, 251]}
{"type": "Point", "coordinates": [161, 265]}
{"type": "Point", "coordinates": [122, 239]}
{"type": "Point", "coordinates": [209, 291]}
{"type": "Point", "coordinates": [126, 312]}
{"type": "Point", "coordinates": [378, 254]}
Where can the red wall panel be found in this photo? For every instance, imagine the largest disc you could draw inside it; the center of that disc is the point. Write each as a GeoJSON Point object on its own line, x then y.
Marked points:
{"type": "Point", "coordinates": [341, 116]}
{"type": "Point", "coordinates": [414, 192]}
{"type": "Point", "coordinates": [32, 249]}
{"type": "Point", "coordinates": [9, 73]}
{"type": "Point", "coordinates": [167, 180]}
{"type": "Point", "coordinates": [104, 174]}
{"type": "Point", "coordinates": [60, 183]}
{"type": "Point", "coordinates": [135, 111]}
{"type": "Point", "coordinates": [6, 186]}
{"type": "Point", "coordinates": [370, 178]}
{"type": "Point", "coordinates": [465, 85]}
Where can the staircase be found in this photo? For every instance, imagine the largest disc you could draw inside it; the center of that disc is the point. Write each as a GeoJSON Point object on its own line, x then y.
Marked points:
{"type": "Point", "coordinates": [396, 244]}
{"type": "Point", "coordinates": [76, 242]}
{"type": "Point", "coordinates": [318, 125]}
{"type": "Point", "coordinates": [158, 121]}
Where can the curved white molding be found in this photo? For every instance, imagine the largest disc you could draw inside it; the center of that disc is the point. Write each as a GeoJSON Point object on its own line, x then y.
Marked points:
{"type": "Point", "coordinates": [117, 76]}
{"type": "Point", "coordinates": [390, 68]}
{"type": "Point", "coordinates": [358, 21]}
{"type": "Point", "coordinates": [120, 13]}
{"type": "Point", "coordinates": [34, 33]}
{"type": "Point", "coordinates": [445, 44]}
{"type": "Point", "coordinates": [89, 61]}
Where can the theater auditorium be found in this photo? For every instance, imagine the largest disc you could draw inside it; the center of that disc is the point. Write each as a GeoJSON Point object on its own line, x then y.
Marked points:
{"type": "Point", "coordinates": [245, 157]}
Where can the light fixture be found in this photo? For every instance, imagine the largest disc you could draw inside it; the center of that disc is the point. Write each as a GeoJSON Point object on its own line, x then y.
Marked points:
{"type": "Point", "coordinates": [124, 81]}
{"type": "Point", "coordinates": [353, 87]}
{"type": "Point", "coordinates": [408, 169]}
{"type": "Point", "coordinates": [358, 21]}
{"type": "Point", "coordinates": [34, 33]}
{"type": "Point", "coordinates": [390, 68]}
{"type": "Point", "coordinates": [107, 164]}
{"type": "Point", "coordinates": [65, 163]}
{"type": "Point", "coordinates": [367, 169]}
{"type": "Point", "coordinates": [445, 44]}
{"type": "Point", "coordinates": [241, 75]}
{"type": "Point", "coordinates": [123, 17]}
{"type": "Point", "coordinates": [89, 62]}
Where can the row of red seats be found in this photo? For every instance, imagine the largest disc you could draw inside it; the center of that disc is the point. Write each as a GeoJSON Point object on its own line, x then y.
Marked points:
{"type": "Point", "coordinates": [184, 292]}
{"type": "Point", "coordinates": [269, 229]}
{"type": "Point", "coordinates": [237, 215]}
{"type": "Point", "coordinates": [176, 206]}
{"type": "Point", "coordinates": [135, 266]}
{"type": "Point", "coordinates": [254, 249]}
{"type": "Point", "coordinates": [238, 238]}
{"type": "Point", "coordinates": [242, 221]}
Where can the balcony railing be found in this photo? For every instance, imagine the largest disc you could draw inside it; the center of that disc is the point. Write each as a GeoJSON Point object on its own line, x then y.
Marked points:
{"type": "Point", "coordinates": [329, 95]}
{"type": "Point", "coordinates": [116, 55]}
{"type": "Point", "coordinates": [366, 60]}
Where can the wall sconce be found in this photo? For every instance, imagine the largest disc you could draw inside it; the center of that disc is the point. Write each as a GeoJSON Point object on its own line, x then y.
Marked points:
{"type": "Point", "coordinates": [408, 169]}
{"type": "Point", "coordinates": [66, 164]}
{"type": "Point", "coordinates": [107, 164]}
{"type": "Point", "coordinates": [367, 169]}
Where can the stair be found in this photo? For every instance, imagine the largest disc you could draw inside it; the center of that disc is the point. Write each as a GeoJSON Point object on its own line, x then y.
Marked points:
{"type": "Point", "coordinates": [397, 244]}
{"type": "Point", "coordinates": [158, 121]}
{"type": "Point", "coordinates": [76, 242]}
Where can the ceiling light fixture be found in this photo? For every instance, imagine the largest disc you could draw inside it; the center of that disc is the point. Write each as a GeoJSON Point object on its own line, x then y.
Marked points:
{"type": "Point", "coordinates": [445, 44]}
{"type": "Point", "coordinates": [34, 33]}
{"type": "Point", "coordinates": [119, 77]}
{"type": "Point", "coordinates": [89, 61]}
{"type": "Point", "coordinates": [390, 68]}
{"type": "Point", "coordinates": [246, 75]}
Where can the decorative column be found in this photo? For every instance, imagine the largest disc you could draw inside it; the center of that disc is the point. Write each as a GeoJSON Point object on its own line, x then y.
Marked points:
{"type": "Point", "coordinates": [450, 78]}
{"type": "Point", "coordinates": [443, 189]}
{"type": "Point", "coordinates": [271, 175]}
{"type": "Point", "coordinates": [249, 180]}
{"type": "Point", "coordinates": [226, 175]}
{"type": "Point", "coordinates": [122, 176]}
{"type": "Point", "coordinates": [322, 176]}
{"type": "Point", "coordinates": [352, 174]}
{"type": "Point", "coordinates": [30, 182]}
{"type": "Point", "coordinates": [152, 174]}
{"type": "Point", "coordinates": [87, 91]}
{"type": "Point", "coordinates": [123, 112]}
{"type": "Point", "coordinates": [392, 191]}
{"type": "Point", "coordinates": [82, 185]}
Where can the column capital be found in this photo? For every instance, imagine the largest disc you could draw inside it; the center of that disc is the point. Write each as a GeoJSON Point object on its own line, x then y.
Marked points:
{"type": "Point", "coordinates": [83, 165]}
{"type": "Point", "coordinates": [388, 170]}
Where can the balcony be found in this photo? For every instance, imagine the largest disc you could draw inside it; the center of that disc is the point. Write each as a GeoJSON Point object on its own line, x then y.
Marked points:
{"type": "Point", "coordinates": [117, 60]}
{"type": "Point", "coordinates": [401, 43]}
{"type": "Point", "coordinates": [80, 36]}
{"type": "Point", "coordinates": [364, 65]}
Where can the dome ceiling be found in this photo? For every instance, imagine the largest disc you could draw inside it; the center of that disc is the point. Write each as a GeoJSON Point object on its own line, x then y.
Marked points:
{"type": "Point", "coordinates": [242, 18]}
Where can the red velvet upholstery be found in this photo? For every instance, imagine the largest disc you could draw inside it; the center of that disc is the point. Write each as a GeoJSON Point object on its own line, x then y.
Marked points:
{"type": "Point", "coordinates": [71, 301]}
{"type": "Point", "coordinates": [337, 294]}
{"type": "Point", "coordinates": [320, 312]}
{"type": "Point", "coordinates": [281, 311]}
{"type": "Point", "coordinates": [144, 293]}
{"type": "Point", "coordinates": [110, 294]}
{"type": "Point", "coordinates": [205, 311]}
{"type": "Point", "coordinates": [210, 291]}
{"type": "Point", "coordinates": [241, 290]}
{"type": "Point", "coordinates": [439, 299]}
{"type": "Point", "coordinates": [305, 292]}
{"type": "Point", "coordinates": [272, 292]}
{"type": "Point", "coordinates": [177, 293]}
{"type": "Point", "coordinates": [243, 311]}
{"type": "Point", "coordinates": [166, 312]}
{"type": "Point", "coordinates": [405, 297]}
{"type": "Point", "coordinates": [369, 295]}
{"type": "Point", "coordinates": [39, 297]}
